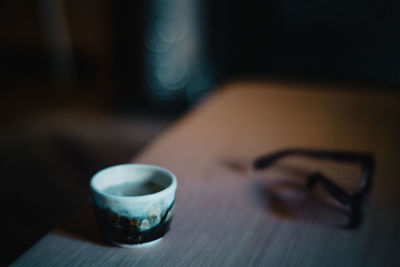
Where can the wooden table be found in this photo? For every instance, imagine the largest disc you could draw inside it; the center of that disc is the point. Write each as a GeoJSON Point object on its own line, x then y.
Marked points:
{"type": "Point", "coordinates": [227, 214]}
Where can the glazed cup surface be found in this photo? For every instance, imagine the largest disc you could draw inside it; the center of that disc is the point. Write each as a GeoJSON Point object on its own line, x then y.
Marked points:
{"type": "Point", "coordinates": [134, 203]}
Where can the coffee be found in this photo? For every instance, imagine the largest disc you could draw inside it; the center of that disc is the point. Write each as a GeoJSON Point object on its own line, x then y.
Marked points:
{"type": "Point", "coordinates": [130, 189]}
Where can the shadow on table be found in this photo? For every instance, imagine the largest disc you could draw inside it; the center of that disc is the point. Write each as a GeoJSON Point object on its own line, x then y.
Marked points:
{"type": "Point", "coordinates": [83, 225]}
{"type": "Point", "coordinates": [286, 195]}
{"type": "Point", "coordinates": [293, 201]}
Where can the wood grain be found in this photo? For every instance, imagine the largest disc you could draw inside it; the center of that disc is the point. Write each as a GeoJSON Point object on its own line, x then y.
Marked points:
{"type": "Point", "coordinates": [229, 215]}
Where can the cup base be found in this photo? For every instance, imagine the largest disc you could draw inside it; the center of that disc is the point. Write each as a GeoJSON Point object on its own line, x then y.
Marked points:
{"type": "Point", "coordinates": [140, 245]}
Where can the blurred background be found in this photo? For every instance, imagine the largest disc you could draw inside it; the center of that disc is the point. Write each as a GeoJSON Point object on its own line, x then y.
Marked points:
{"type": "Point", "coordinates": [87, 84]}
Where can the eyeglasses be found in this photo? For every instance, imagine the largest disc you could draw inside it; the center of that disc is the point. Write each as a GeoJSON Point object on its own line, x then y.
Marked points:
{"type": "Point", "coordinates": [355, 201]}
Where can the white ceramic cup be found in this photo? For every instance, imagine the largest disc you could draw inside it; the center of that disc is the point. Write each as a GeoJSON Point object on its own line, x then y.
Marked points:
{"type": "Point", "coordinates": [134, 203]}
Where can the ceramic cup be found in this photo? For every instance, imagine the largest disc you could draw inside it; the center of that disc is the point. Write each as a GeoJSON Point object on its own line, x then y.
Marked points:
{"type": "Point", "coordinates": [134, 203]}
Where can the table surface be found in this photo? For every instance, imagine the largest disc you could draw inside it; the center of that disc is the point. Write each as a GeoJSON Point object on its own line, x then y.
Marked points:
{"type": "Point", "coordinates": [227, 214]}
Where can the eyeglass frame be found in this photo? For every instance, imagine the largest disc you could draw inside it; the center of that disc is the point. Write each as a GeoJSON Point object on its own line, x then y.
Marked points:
{"type": "Point", "coordinates": [355, 201]}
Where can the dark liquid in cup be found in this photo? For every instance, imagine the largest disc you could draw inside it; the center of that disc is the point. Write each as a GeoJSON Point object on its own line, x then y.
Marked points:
{"type": "Point", "coordinates": [131, 189]}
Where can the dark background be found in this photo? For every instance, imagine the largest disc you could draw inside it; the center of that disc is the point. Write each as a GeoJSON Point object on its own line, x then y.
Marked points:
{"type": "Point", "coordinates": [333, 40]}
{"type": "Point", "coordinates": [74, 94]}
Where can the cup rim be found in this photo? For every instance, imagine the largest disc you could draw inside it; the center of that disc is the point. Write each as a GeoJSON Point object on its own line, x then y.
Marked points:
{"type": "Point", "coordinates": [171, 186]}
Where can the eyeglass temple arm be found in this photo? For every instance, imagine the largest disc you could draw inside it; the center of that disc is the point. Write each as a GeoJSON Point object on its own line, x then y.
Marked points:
{"type": "Point", "coordinates": [366, 160]}
{"type": "Point", "coordinates": [354, 201]}
{"type": "Point", "coordinates": [334, 190]}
